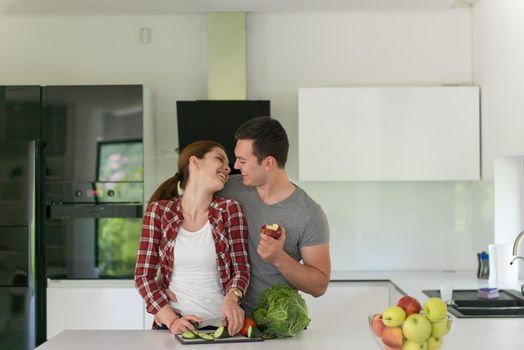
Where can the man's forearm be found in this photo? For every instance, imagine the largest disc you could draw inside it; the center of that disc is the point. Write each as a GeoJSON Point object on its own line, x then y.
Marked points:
{"type": "Point", "coordinates": [305, 278]}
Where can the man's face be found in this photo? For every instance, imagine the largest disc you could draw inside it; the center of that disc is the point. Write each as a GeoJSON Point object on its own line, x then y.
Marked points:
{"type": "Point", "coordinates": [253, 174]}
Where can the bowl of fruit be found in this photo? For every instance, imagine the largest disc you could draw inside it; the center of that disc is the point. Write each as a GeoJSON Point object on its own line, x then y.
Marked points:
{"type": "Point", "coordinates": [410, 326]}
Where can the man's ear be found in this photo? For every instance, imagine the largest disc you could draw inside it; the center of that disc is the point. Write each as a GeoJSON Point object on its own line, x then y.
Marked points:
{"type": "Point", "coordinates": [271, 163]}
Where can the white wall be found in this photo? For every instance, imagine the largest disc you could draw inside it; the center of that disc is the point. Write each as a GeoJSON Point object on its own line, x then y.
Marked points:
{"type": "Point", "coordinates": [498, 67]}
{"type": "Point", "coordinates": [374, 225]}
{"type": "Point", "coordinates": [508, 198]}
{"type": "Point", "coordinates": [498, 52]}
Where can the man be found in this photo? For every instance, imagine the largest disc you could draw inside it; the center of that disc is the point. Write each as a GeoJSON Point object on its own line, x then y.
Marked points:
{"type": "Point", "coordinates": [300, 258]}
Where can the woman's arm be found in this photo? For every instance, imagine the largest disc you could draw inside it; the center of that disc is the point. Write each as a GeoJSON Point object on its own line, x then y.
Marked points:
{"type": "Point", "coordinates": [237, 235]}
{"type": "Point", "coordinates": [148, 260]}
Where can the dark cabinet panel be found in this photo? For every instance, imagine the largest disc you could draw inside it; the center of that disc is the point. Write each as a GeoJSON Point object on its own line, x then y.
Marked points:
{"type": "Point", "coordinates": [14, 256]}
{"type": "Point", "coordinates": [20, 110]}
{"type": "Point", "coordinates": [17, 331]}
{"type": "Point", "coordinates": [77, 119]}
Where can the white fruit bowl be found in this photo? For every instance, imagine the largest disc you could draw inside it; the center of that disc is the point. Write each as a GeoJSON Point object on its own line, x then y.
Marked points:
{"type": "Point", "coordinates": [437, 342]}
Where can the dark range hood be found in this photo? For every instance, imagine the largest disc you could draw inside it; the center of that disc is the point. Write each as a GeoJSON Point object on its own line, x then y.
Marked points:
{"type": "Point", "coordinates": [216, 120]}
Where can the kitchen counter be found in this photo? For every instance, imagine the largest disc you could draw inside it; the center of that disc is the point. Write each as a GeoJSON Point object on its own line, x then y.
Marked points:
{"type": "Point", "coordinates": [504, 334]}
{"type": "Point", "coordinates": [481, 333]}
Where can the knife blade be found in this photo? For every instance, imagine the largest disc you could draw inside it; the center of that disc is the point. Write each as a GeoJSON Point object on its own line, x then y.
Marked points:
{"type": "Point", "coordinates": [215, 322]}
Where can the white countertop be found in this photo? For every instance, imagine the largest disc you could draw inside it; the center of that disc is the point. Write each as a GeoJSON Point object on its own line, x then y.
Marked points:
{"type": "Point", "coordinates": [480, 333]}
{"type": "Point", "coordinates": [496, 333]}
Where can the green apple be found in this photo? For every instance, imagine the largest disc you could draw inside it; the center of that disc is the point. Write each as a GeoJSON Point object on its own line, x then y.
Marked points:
{"type": "Point", "coordinates": [434, 343]}
{"type": "Point", "coordinates": [435, 309]}
{"type": "Point", "coordinates": [393, 316]}
{"type": "Point", "coordinates": [440, 328]}
{"type": "Point", "coordinates": [410, 345]}
{"type": "Point", "coordinates": [416, 328]}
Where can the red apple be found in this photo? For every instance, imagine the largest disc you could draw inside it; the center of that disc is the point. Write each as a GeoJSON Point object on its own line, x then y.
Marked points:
{"type": "Point", "coordinates": [393, 337]}
{"type": "Point", "coordinates": [409, 304]}
{"type": "Point", "coordinates": [273, 230]}
{"type": "Point", "coordinates": [377, 325]}
{"type": "Point", "coordinates": [390, 348]}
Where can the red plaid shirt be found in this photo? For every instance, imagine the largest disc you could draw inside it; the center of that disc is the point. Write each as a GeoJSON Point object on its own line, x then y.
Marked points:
{"type": "Point", "coordinates": [162, 221]}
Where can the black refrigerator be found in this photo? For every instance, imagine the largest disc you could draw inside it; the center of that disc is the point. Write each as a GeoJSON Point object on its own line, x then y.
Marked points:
{"type": "Point", "coordinates": [71, 195]}
{"type": "Point", "coordinates": [22, 278]}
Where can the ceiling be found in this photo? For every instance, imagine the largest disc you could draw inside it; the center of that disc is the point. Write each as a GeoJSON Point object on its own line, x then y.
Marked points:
{"type": "Point", "coordinates": [86, 7]}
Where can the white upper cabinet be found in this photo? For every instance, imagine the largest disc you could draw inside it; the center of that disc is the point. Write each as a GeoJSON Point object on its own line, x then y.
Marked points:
{"type": "Point", "coordinates": [389, 133]}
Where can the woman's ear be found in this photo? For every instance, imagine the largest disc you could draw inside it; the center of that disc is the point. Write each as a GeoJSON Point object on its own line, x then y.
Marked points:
{"type": "Point", "coordinates": [193, 161]}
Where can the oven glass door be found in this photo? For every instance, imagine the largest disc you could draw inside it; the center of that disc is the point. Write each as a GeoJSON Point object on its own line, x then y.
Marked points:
{"type": "Point", "coordinates": [85, 248]}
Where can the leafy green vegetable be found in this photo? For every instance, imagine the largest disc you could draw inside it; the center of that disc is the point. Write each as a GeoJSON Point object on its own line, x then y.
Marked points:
{"type": "Point", "coordinates": [281, 312]}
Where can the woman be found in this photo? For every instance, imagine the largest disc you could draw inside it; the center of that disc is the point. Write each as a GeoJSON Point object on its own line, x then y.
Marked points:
{"type": "Point", "coordinates": [199, 243]}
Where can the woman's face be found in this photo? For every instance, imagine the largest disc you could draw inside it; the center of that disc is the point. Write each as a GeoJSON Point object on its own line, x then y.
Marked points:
{"type": "Point", "coordinates": [214, 169]}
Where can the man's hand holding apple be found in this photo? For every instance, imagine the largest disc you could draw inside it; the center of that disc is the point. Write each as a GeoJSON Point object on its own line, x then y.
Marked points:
{"type": "Point", "coordinates": [269, 248]}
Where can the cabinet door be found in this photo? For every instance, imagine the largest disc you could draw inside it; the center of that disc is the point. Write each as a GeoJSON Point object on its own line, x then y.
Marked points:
{"type": "Point", "coordinates": [148, 319]}
{"type": "Point", "coordinates": [389, 133]}
{"type": "Point", "coordinates": [93, 308]}
{"type": "Point", "coordinates": [20, 113]}
{"type": "Point", "coordinates": [348, 304]}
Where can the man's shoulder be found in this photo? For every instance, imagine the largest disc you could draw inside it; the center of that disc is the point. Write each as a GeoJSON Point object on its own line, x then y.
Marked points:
{"type": "Point", "coordinates": [233, 187]}
{"type": "Point", "coordinates": [235, 180]}
{"type": "Point", "coordinates": [304, 200]}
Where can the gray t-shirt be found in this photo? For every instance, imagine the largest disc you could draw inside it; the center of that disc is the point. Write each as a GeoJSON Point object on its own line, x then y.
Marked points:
{"type": "Point", "coordinates": [304, 221]}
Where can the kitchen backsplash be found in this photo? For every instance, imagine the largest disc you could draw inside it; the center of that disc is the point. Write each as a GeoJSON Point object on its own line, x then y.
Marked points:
{"type": "Point", "coordinates": [406, 225]}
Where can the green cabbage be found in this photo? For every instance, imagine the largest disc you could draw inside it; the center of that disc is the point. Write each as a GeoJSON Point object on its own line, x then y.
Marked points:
{"type": "Point", "coordinates": [281, 312]}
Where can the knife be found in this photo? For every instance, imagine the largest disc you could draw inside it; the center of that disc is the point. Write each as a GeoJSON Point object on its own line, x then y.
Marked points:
{"type": "Point", "coordinates": [215, 322]}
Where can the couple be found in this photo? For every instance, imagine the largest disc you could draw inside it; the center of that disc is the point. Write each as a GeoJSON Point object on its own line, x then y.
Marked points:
{"type": "Point", "coordinates": [197, 242]}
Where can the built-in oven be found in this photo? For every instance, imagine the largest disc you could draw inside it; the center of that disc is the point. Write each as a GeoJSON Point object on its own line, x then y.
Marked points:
{"type": "Point", "coordinates": [94, 189]}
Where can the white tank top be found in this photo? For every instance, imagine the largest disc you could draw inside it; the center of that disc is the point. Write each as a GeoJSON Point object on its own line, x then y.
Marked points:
{"type": "Point", "coordinates": [195, 280]}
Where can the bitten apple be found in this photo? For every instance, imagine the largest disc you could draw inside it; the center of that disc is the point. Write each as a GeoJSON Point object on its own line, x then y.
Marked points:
{"type": "Point", "coordinates": [377, 325]}
{"type": "Point", "coordinates": [393, 337]}
{"type": "Point", "coordinates": [273, 230]}
{"type": "Point", "coordinates": [409, 304]}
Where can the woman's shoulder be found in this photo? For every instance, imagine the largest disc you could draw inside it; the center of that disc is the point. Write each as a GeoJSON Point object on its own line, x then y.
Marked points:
{"type": "Point", "coordinates": [162, 205]}
{"type": "Point", "coordinates": [225, 203]}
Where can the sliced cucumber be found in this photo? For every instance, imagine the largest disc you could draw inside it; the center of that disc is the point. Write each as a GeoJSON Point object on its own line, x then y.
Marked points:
{"type": "Point", "coordinates": [221, 332]}
{"type": "Point", "coordinates": [206, 336]}
{"type": "Point", "coordinates": [253, 332]}
{"type": "Point", "coordinates": [189, 335]}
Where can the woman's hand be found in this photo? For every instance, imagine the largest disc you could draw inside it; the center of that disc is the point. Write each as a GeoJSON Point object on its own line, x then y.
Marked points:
{"type": "Point", "coordinates": [172, 297]}
{"type": "Point", "coordinates": [165, 316]}
{"type": "Point", "coordinates": [232, 313]}
{"type": "Point", "coordinates": [184, 324]}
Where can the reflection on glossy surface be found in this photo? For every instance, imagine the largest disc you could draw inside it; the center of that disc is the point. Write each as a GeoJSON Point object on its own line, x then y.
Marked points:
{"type": "Point", "coordinates": [78, 118]}
{"type": "Point", "coordinates": [16, 319]}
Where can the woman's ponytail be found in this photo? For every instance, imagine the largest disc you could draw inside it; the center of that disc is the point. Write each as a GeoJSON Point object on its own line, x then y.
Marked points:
{"type": "Point", "coordinates": [167, 190]}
